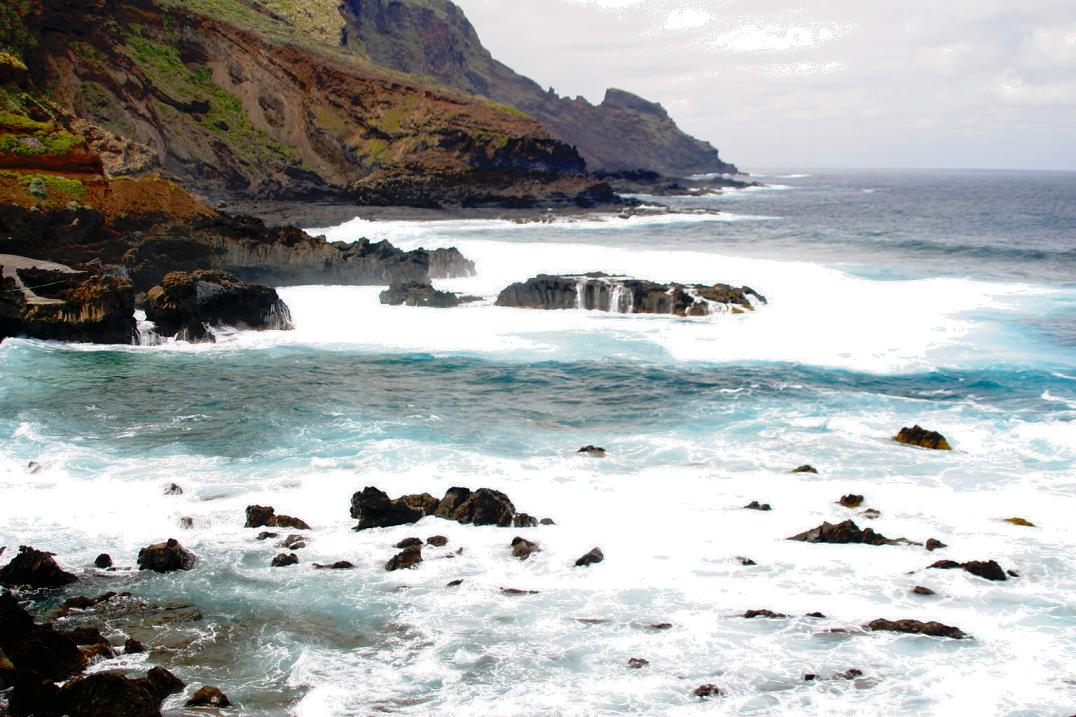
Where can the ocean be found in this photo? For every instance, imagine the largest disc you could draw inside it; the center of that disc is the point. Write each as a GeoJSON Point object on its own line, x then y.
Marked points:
{"type": "Point", "coordinates": [946, 299]}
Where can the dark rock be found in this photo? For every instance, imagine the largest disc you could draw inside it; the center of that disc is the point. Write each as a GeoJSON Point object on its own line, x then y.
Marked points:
{"type": "Point", "coordinates": [98, 652]}
{"type": "Point", "coordinates": [846, 532]}
{"type": "Point", "coordinates": [919, 436]}
{"type": "Point", "coordinates": [660, 626]}
{"type": "Point", "coordinates": [747, 562]}
{"type": "Point", "coordinates": [594, 556]}
{"type": "Point", "coordinates": [106, 694]}
{"type": "Point", "coordinates": [454, 497]}
{"type": "Point", "coordinates": [484, 507]}
{"type": "Point", "coordinates": [915, 627]}
{"type": "Point", "coordinates": [293, 542]}
{"type": "Point", "coordinates": [755, 505]}
{"type": "Point", "coordinates": [593, 451]}
{"type": "Point", "coordinates": [871, 514]}
{"type": "Point", "coordinates": [522, 520]}
{"type": "Point", "coordinates": [708, 690]}
{"type": "Point", "coordinates": [851, 500]}
{"type": "Point", "coordinates": [33, 467]}
{"type": "Point", "coordinates": [338, 565]}
{"type": "Point", "coordinates": [546, 521]}
{"type": "Point", "coordinates": [945, 565]}
{"type": "Point", "coordinates": [261, 516]}
{"type": "Point", "coordinates": [805, 469]}
{"type": "Point", "coordinates": [286, 521]}
{"type": "Point", "coordinates": [1012, 573]}
{"type": "Point", "coordinates": [265, 535]}
{"type": "Point", "coordinates": [185, 303]}
{"type": "Point", "coordinates": [409, 543]}
{"type": "Point", "coordinates": [454, 583]}
{"type": "Point", "coordinates": [186, 523]}
{"type": "Point", "coordinates": [423, 501]}
{"type": "Point", "coordinates": [851, 674]}
{"type": "Point", "coordinates": [373, 509]}
{"type": "Point", "coordinates": [165, 557]}
{"type": "Point", "coordinates": [933, 544]}
{"type": "Point", "coordinates": [1022, 522]}
{"type": "Point", "coordinates": [602, 292]}
{"type": "Point", "coordinates": [34, 569]}
{"type": "Point", "coordinates": [208, 697]}
{"type": "Point", "coordinates": [522, 548]}
{"type": "Point", "coordinates": [133, 647]}
{"type": "Point", "coordinates": [764, 613]}
{"type": "Point", "coordinates": [86, 636]}
{"type": "Point", "coordinates": [103, 561]}
{"type": "Point", "coordinates": [284, 560]}
{"type": "Point", "coordinates": [161, 683]}
{"type": "Point", "coordinates": [437, 541]}
{"type": "Point", "coordinates": [809, 677]}
{"type": "Point", "coordinates": [419, 293]}
{"type": "Point", "coordinates": [173, 489]}
{"type": "Point", "coordinates": [407, 558]}
{"type": "Point", "coordinates": [920, 590]}
{"type": "Point", "coordinates": [817, 615]}
{"type": "Point", "coordinates": [637, 663]}
{"type": "Point", "coordinates": [517, 591]}
{"type": "Point", "coordinates": [988, 569]}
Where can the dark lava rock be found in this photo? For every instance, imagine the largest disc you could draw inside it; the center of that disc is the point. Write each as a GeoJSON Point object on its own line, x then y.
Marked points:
{"type": "Point", "coordinates": [660, 626]}
{"type": "Point", "coordinates": [755, 505]}
{"type": "Point", "coordinates": [184, 304]}
{"type": "Point", "coordinates": [546, 521]}
{"type": "Point", "coordinates": [407, 558]}
{"type": "Point", "coordinates": [86, 636]}
{"type": "Point", "coordinates": [284, 560]}
{"type": "Point", "coordinates": [805, 469]}
{"type": "Point", "coordinates": [165, 557]}
{"type": "Point", "coordinates": [809, 677]}
{"type": "Point", "coordinates": [374, 509]}
{"type": "Point", "coordinates": [815, 615]}
{"type": "Point", "coordinates": [293, 542]}
{"type": "Point", "coordinates": [915, 627]}
{"type": "Point", "coordinates": [437, 541]}
{"type": "Point", "coordinates": [103, 561]}
{"type": "Point", "coordinates": [208, 697]}
{"type": "Point", "coordinates": [945, 565]}
{"type": "Point", "coordinates": [481, 507]}
{"type": "Point", "coordinates": [422, 501]}
{"type": "Point", "coordinates": [173, 489]}
{"type": "Point", "coordinates": [161, 683]}
{"type": "Point", "coordinates": [419, 293]}
{"type": "Point", "coordinates": [522, 548]}
{"type": "Point", "coordinates": [338, 565]}
{"type": "Point", "coordinates": [133, 647]}
{"type": "Point", "coordinates": [851, 500]}
{"type": "Point", "coordinates": [708, 690]}
{"type": "Point", "coordinates": [454, 583]}
{"type": "Point", "coordinates": [107, 695]}
{"type": "Point", "coordinates": [1012, 573]}
{"type": "Point", "coordinates": [637, 663]}
{"type": "Point", "coordinates": [409, 543]}
{"type": "Point", "coordinates": [846, 532]}
{"type": "Point", "coordinates": [517, 591]}
{"type": "Point", "coordinates": [919, 436]}
{"type": "Point", "coordinates": [522, 520]}
{"type": "Point", "coordinates": [764, 613]}
{"type": "Point", "coordinates": [98, 652]}
{"type": "Point", "coordinates": [592, 451]}
{"type": "Point", "coordinates": [871, 514]}
{"type": "Point", "coordinates": [850, 674]}
{"type": "Point", "coordinates": [594, 556]}
{"type": "Point", "coordinates": [920, 590]}
{"type": "Point", "coordinates": [746, 561]}
{"type": "Point", "coordinates": [34, 569]}
{"type": "Point", "coordinates": [988, 569]}
{"type": "Point", "coordinates": [263, 516]}
{"type": "Point", "coordinates": [266, 535]}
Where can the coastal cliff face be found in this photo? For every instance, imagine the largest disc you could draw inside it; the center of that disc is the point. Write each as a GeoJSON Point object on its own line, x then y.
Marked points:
{"type": "Point", "coordinates": [236, 101]}
{"type": "Point", "coordinates": [435, 38]}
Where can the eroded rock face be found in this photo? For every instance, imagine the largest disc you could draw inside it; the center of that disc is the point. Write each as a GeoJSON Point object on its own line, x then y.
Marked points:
{"type": "Point", "coordinates": [919, 436]}
{"type": "Point", "coordinates": [915, 627]}
{"type": "Point", "coordinates": [30, 647]}
{"type": "Point", "coordinates": [184, 304]}
{"type": "Point", "coordinates": [846, 532]}
{"type": "Point", "coordinates": [374, 509]}
{"type": "Point", "coordinates": [35, 569]}
{"type": "Point", "coordinates": [602, 292]}
{"type": "Point", "coordinates": [165, 557]}
{"type": "Point", "coordinates": [485, 507]}
{"type": "Point", "coordinates": [418, 293]}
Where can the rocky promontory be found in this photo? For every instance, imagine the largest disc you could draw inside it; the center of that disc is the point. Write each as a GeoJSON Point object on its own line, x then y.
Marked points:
{"type": "Point", "coordinates": [623, 295]}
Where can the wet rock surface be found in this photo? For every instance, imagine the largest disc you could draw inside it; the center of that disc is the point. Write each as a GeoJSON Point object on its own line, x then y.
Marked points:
{"type": "Point", "coordinates": [405, 559]}
{"type": "Point", "coordinates": [208, 697]}
{"type": "Point", "coordinates": [165, 557]}
{"type": "Point", "coordinates": [35, 569]}
{"type": "Point", "coordinates": [261, 516]}
{"type": "Point", "coordinates": [921, 437]}
{"type": "Point", "coordinates": [846, 532]}
{"type": "Point", "coordinates": [593, 557]}
{"type": "Point", "coordinates": [915, 627]}
{"type": "Point", "coordinates": [987, 569]}
{"type": "Point", "coordinates": [419, 293]}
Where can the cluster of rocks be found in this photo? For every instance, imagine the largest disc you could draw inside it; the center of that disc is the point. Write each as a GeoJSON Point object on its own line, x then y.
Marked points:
{"type": "Point", "coordinates": [422, 293]}
{"type": "Point", "coordinates": [374, 509]}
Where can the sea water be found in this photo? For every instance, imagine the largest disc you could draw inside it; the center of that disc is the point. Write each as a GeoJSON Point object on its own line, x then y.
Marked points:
{"type": "Point", "coordinates": [944, 299]}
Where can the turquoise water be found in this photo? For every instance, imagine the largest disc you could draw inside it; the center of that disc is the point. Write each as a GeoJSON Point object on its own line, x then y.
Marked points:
{"type": "Point", "coordinates": [947, 300]}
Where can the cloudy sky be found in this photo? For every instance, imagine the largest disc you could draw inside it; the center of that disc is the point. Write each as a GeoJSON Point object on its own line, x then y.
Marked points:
{"type": "Point", "coordinates": [842, 83]}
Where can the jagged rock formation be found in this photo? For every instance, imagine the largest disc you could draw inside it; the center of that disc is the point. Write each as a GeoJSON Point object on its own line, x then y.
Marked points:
{"type": "Point", "coordinates": [434, 38]}
{"type": "Point", "coordinates": [602, 292]}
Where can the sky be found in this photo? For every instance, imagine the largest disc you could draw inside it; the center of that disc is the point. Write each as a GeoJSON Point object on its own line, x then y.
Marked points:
{"type": "Point", "coordinates": [842, 83]}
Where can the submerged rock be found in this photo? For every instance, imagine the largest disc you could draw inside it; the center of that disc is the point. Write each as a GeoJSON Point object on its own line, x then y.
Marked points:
{"type": "Point", "coordinates": [516, 592]}
{"type": "Point", "coordinates": [408, 558]}
{"type": "Point", "coordinates": [851, 500]}
{"type": "Point", "coordinates": [523, 548]}
{"type": "Point", "coordinates": [637, 663]}
{"type": "Point", "coordinates": [871, 514]}
{"type": "Point", "coordinates": [755, 505]}
{"type": "Point", "coordinates": [419, 293]}
{"type": "Point", "coordinates": [602, 292]}
{"type": "Point", "coordinates": [522, 520]}
{"type": "Point", "coordinates": [338, 565]}
{"type": "Point", "coordinates": [846, 532]}
{"type": "Point", "coordinates": [293, 542]}
{"type": "Point", "coordinates": [1021, 522]}
{"type": "Point", "coordinates": [915, 627]}
{"type": "Point", "coordinates": [284, 560]}
{"type": "Point", "coordinates": [409, 543]}
{"type": "Point", "coordinates": [804, 469]}
{"type": "Point", "coordinates": [184, 304]}
{"type": "Point", "coordinates": [592, 451]}
{"type": "Point", "coordinates": [988, 569]}
{"type": "Point", "coordinates": [591, 558]}
{"type": "Point", "coordinates": [920, 590]}
{"type": "Point", "coordinates": [133, 647]}
{"type": "Point", "coordinates": [750, 614]}
{"type": "Point", "coordinates": [708, 690]}
{"type": "Point", "coordinates": [208, 697]}
{"type": "Point", "coordinates": [165, 557]}
{"type": "Point", "coordinates": [919, 436]}
{"type": "Point", "coordinates": [173, 489]}
{"type": "Point", "coordinates": [34, 569]}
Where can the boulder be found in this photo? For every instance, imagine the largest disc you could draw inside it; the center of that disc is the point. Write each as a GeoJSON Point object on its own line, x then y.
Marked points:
{"type": "Point", "coordinates": [915, 627]}
{"type": "Point", "coordinates": [173, 489]}
{"type": "Point", "coordinates": [132, 646]}
{"type": "Point", "coordinates": [770, 614]}
{"type": "Point", "coordinates": [592, 451]}
{"type": "Point", "coordinates": [90, 309]}
{"type": "Point", "coordinates": [284, 560]}
{"type": "Point", "coordinates": [988, 569]}
{"type": "Point", "coordinates": [338, 565]}
{"type": "Point", "coordinates": [165, 557]}
{"type": "Point", "coordinates": [755, 505]}
{"type": "Point", "coordinates": [34, 569]}
{"type": "Point", "coordinates": [933, 544]}
{"type": "Point", "coordinates": [522, 520]}
{"type": "Point", "coordinates": [523, 548]}
{"type": "Point", "coordinates": [708, 690]}
{"type": "Point", "coordinates": [747, 562]}
{"type": "Point", "coordinates": [920, 590]}
{"type": "Point", "coordinates": [846, 532]}
{"type": "Point", "coordinates": [184, 304]}
{"type": "Point", "coordinates": [454, 497]}
{"type": "Point", "coordinates": [293, 542]}
{"type": "Point", "coordinates": [208, 697]}
{"type": "Point", "coordinates": [485, 507]}
{"type": "Point", "coordinates": [263, 516]}
{"type": "Point", "coordinates": [408, 558]}
{"type": "Point", "coordinates": [374, 509]}
{"type": "Point", "coordinates": [103, 694]}
{"type": "Point", "coordinates": [546, 521]}
{"type": "Point", "coordinates": [594, 556]}
{"type": "Point", "coordinates": [454, 583]}
{"type": "Point", "coordinates": [419, 293]}
{"type": "Point", "coordinates": [805, 469]}
{"type": "Point", "coordinates": [30, 647]}
{"type": "Point", "coordinates": [1022, 522]}
{"type": "Point", "coordinates": [437, 541]}
{"type": "Point", "coordinates": [617, 294]}
{"type": "Point", "coordinates": [637, 663]}
{"type": "Point", "coordinates": [409, 543]}
{"type": "Point", "coordinates": [421, 501]}
{"type": "Point", "coordinates": [851, 500]}
{"type": "Point", "coordinates": [919, 436]}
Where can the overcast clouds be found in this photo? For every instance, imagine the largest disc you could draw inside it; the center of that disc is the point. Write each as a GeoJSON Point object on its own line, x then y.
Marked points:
{"type": "Point", "coordinates": [915, 83]}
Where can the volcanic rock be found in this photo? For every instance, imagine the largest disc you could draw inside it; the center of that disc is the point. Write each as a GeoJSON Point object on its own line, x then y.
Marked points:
{"type": "Point", "coordinates": [594, 556]}
{"type": "Point", "coordinates": [437, 541]}
{"type": "Point", "coordinates": [804, 469]}
{"type": "Point", "coordinates": [338, 565]}
{"type": "Point", "coordinates": [933, 544]}
{"type": "Point", "coordinates": [708, 690]}
{"type": "Point", "coordinates": [34, 569]}
{"type": "Point", "coordinates": [915, 627]}
{"type": "Point", "coordinates": [523, 548]}
{"type": "Point", "coordinates": [755, 505]}
{"type": "Point", "coordinates": [374, 509]}
{"type": "Point", "coordinates": [851, 500]}
{"type": "Point", "coordinates": [919, 436]}
{"type": "Point", "coordinates": [637, 663]}
{"type": "Point", "coordinates": [165, 557]}
{"type": "Point", "coordinates": [846, 532]}
{"type": "Point", "coordinates": [409, 543]}
{"type": "Point", "coordinates": [284, 560]}
{"type": "Point", "coordinates": [920, 590]}
{"type": "Point", "coordinates": [764, 613]}
{"type": "Point", "coordinates": [208, 697]}
{"type": "Point", "coordinates": [522, 520]}
{"type": "Point", "coordinates": [419, 293]}
{"type": "Point", "coordinates": [481, 507]}
{"type": "Point", "coordinates": [408, 558]}
{"type": "Point", "coordinates": [592, 451]}
{"type": "Point", "coordinates": [173, 489]}
{"type": "Point", "coordinates": [260, 516]}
